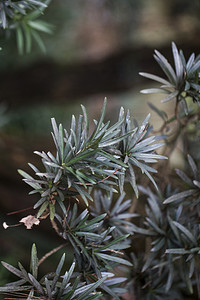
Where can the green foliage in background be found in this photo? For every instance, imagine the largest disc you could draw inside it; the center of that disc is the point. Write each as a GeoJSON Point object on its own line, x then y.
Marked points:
{"type": "Point", "coordinates": [23, 17]}
{"type": "Point", "coordinates": [145, 246]}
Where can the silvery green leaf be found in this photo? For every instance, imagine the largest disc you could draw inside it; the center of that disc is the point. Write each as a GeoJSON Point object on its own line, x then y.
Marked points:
{"type": "Point", "coordinates": [187, 233]}
{"type": "Point", "coordinates": [193, 166]}
{"type": "Point", "coordinates": [58, 176]}
{"type": "Point", "coordinates": [91, 222]}
{"type": "Point", "coordinates": [81, 217]}
{"type": "Point", "coordinates": [89, 235]}
{"type": "Point", "coordinates": [156, 78]}
{"type": "Point", "coordinates": [127, 215]}
{"type": "Point", "coordinates": [7, 289]}
{"type": "Point", "coordinates": [190, 62]}
{"type": "Point", "coordinates": [52, 157]}
{"type": "Point", "coordinates": [60, 265]}
{"type": "Point", "coordinates": [155, 90]}
{"type": "Point", "coordinates": [33, 183]}
{"type": "Point", "coordinates": [161, 113]}
{"type": "Point", "coordinates": [116, 280]}
{"type": "Point", "coordinates": [17, 283]}
{"type": "Point", "coordinates": [170, 96]}
{"type": "Point", "coordinates": [155, 226]}
{"type": "Point", "coordinates": [42, 208]}
{"type": "Point", "coordinates": [113, 243]}
{"type": "Point", "coordinates": [179, 196]}
{"type": "Point", "coordinates": [166, 67]}
{"type": "Point", "coordinates": [158, 245]}
{"type": "Point", "coordinates": [48, 288]}
{"type": "Point", "coordinates": [184, 177]}
{"type": "Point", "coordinates": [132, 179]}
{"type": "Point", "coordinates": [62, 206]}
{"type": "Point", "coordinates": [36, 284]}
{"type": "Point", "coordinates": [195, 68]}
{"type": "Point", "coordinates": [197, 183]}
{"type": "Point", "coordinates": [89, 289]}
{"type": "Point", "coordinates": [170, 278]}
{"type": "Point", "coordinates": [117, 204]}
{"type": "Point", "coordinates": [177, 62]}
{"type": "Point", "coordinates": [12, 269]}
{"type": "Point", "coordinates": [149, 260]}
{"type": "Point", "coordinates": [34, 261]}
{"type": "Point", "coordinates": [144, 143]}
{"type": "Point", "coordinates": [144, 231]}
{"type": "Point", "coordinates": [33, 167]}
{"type": "Point", "coordinates": [114, 259]}
{"type": "Point", "coordinates": [36, 2]}
{"type": "Point", "coordinates": [195, 86]}
{"type": "Point", "coordinates": [179, 251]}
{"type": "Point", "coordinates": [155, 208]}
{"type": "Point", "coordinates": [174, 228]}
{"type": "Point", "coordinates": [46, 193]}
{"type": "Point", "coordinates": [43, 155]}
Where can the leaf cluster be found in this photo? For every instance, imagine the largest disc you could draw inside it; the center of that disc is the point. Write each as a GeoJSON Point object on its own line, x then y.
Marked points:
{"type": "Point", "coordinates": [173, 232]}
{"type": "Point", "coordinates": [23, 17]}
{"type": "Point", "coordinates": [154, 249]}
{"type": "Point", "coordinates": [104, 159]}
{"type": "Point", "coordinates": [51, 286]}
{"type": "Point", "coordinates": [182, 83]}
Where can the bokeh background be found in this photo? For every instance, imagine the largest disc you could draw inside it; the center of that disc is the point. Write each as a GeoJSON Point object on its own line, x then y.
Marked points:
{"type": "Point", "coordinates": [97, 49]}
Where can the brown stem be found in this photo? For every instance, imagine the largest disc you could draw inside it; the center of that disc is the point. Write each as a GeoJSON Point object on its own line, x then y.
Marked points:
{"type": "Point", "coordinates": [55, 227]}
{"type": "Point", "coordinates": [19, 211]}
{"type": "Point", "coordinates": [50, 253]}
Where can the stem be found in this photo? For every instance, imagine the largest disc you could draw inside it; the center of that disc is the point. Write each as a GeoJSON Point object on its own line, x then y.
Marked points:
{"type": "Point", "coordinates": [50, 253]}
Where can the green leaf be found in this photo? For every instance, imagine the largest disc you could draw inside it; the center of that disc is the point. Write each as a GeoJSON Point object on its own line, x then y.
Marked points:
{"type": "Point", "coordinates": [170, 96]}
{"type": "Point", "coordinates": [40, 202]}
{"type": "Point", "coordinates": [24, 272]}
{"type": "Point", "coordinates": [52, 210]}
{"type": "Point", "coordinates": [114, 242]}
{"type": "Point", "coordinates": [28, 39]}
{"type": "Point", "coordinates": [20, 40]}
{"type": "Point", "coordinates": [114, 259]}
{"type": "Point", "coordinates": [12, 269]}
{"type": "Point", "coordinates": [166, 67]}
{"type": "Point", "coordinates": [178, 63]}
{"type": "Point", "coordinates": [179, 196]}
{"type": "Point", "coordinates": [60, 265]}
{"type": "Point", "coordinates": [42, 208]}
{"type": "Point", "coordinates": [178, 251]}
{"type": "Point", "coordinates": [8, 289]}
{"type": "Point", "coordinates": [187, 233]}
{"type": "Point", "coordinates": [66, 279]}
{"type": "Point", "coordinates": [36, 284]}
{"type": "Point", "coordinates": [91, 222]}
{"type": "Point", "coordinates": [38, 40]}
{"type": "Point", "coordinates": [132, 179]}
{"type": "Point", "coordinates": [91, 289]}
{"type": "Point", "coordinates": [156, 78]}
{"type": "Point", "coordinates": [34, 261]}
{"type": "Point", "coordinates": [40, 26]}
{"type": "Point", "coordinates": [155, 90]}
{"type": "Point", "coordinates": [161, 113]}
{"type": "Point", "coordinates": [79, 157]}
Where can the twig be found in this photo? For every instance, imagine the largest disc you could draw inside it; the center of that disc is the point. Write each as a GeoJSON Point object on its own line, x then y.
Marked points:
{"type": "Point", "coordinates": [18, 211]}
{"type": "Point", "coordinates": [50, 253]}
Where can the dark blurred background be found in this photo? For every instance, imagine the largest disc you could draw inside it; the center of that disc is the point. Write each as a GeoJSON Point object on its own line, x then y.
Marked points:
{"type": "Point", "coordinates": [97, 49]}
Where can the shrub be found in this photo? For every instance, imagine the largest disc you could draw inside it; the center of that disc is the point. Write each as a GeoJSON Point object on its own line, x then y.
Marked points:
{"type": "Point", "coordinates": [121, 249]}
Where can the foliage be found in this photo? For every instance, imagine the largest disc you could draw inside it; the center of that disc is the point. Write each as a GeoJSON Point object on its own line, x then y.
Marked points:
{"type": "Point", "coordinates": [23, 17]}
{"type": "Point", "coordinates": [181, 83]}
{"type": "Point", "coordinates": [121, 247]}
